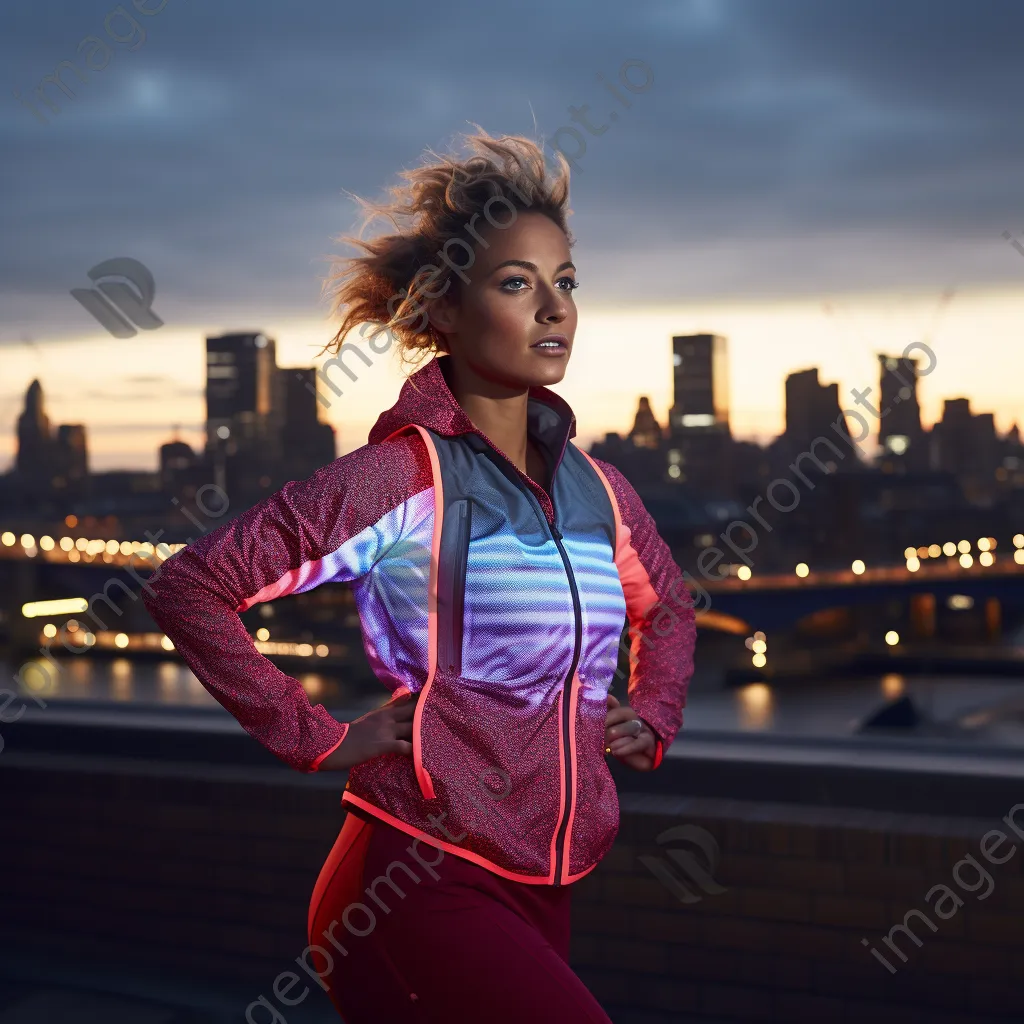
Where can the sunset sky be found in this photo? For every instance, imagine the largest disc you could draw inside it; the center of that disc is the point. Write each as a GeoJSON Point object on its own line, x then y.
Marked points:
{"type": "Point", "coordinates": [806, 179]}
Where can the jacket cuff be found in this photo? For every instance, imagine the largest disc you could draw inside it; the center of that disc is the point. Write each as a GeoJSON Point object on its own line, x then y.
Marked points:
{"type": "Point", "coordinates": [315, 766]}
{"type": "Point", "coordinates": [659, 746]}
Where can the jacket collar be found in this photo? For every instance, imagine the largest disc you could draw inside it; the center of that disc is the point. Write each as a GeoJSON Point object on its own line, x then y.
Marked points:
{"type": "Point", "coordinates": [427, 400]}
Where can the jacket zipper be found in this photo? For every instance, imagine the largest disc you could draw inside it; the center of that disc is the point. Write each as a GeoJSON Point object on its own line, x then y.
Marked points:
{"type": "Point", "coordinates": [566, 705]}
{"type": "Point", "coordinates": [556, 536]}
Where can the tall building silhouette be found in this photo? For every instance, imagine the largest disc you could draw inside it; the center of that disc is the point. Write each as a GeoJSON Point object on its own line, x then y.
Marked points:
{"type": "Point", "coordinates": [900, 433]}
{"type": "Point", "coordinates": [699, 419]}
{"type": "Point", "coordinates": [307, 442]}
{"type": "Point", "coordinates": [812, 412]}
{"type": "Point", "coordinates": [646, 432]}
{"type": "Point", "coordinates": [242, 412]}
{"type": "Point", "coordinates": [49, 464]}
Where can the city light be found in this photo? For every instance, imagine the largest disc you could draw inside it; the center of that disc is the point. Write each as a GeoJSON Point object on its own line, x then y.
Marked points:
{"type": "Point", "coordinates": [49, 630]}
{"type": "Point", "coordinates": [263, 633]}
{"type": "Point", "coordinates": [964, 546]}
{"type": "Point", "coordinates": [66, 543]}
{"type": "Point", "coordinates": [322, 651]}
{"type": "Point", "coordinates": [74, 556]}
{"type": "Point", "coordinates": [986, 558]}
{"type": "Point", "coordinates": [1018, 556]}
{"type": "Point", "coordinates": [121, 640]}
{"type": "Point", "coordinates": [759, 647]}
{"type": "Point", "coordinates": [27, 540]}
{"type": "Point", "coordinates": [858, 567]}
{"type": "Point", "coordinates": [892, 685]}
{"type": "Point", "coordinates": [759, 661]}
{"type": "Point", "coordinates": [743, 572]}
{"type": "Point", "coordinates": [802, 570]}
{"type": "Point", "coordinates": [1018, 540]}
{"type": "Point", "coordinates": [923, 552]}
{"type": "Point", "coordinates": [909, 553]}
{"type": "Point", "coordinates": [913, 564]}
{"type": "Point", "coordinates": [46, 543]}
{"type": "Point", "coordinates": [934, 550]}
{"type": "Point", "coordinates": [966, 561]}
{"type": "Point", "coordinates": [959, 602]}
{"type": "Point", "coordinates": [892, 638]}
{"type": "Point", "coordinates": [8, 539]}
{"type": "Point", "coordinates": [62, 606]}
{"type": "Point", "coordinates": [984, 544]}
{"type": "Point", "coordinates": [949, 548]}
{"type": "Point", "coordinates": [167, 643]}
{"type": "Point", "coordinates": [71, 521]}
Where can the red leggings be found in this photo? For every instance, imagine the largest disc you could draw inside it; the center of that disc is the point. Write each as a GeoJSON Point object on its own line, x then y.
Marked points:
{"type": "Point", "coordinates": [408, 933]}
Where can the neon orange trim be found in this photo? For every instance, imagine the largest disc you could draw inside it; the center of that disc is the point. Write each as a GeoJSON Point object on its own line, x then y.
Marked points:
{"type": "Point", "coordinates": [569, 879]}
{"type": "Point", "coordinates": [315, 766]}
{"type": "Point", "coordinates": [426, 784]}
{"type": "Point", "coordinates": [573, 702]}
{"type": "Point", "coordinates": [636, 583]}
{"type": "Point", "coordinates": [349, 798]}
{"type": "Point", "coordinates": [658, 752]}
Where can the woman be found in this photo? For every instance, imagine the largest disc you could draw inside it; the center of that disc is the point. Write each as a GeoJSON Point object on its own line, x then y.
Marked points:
{"type": "Point", "coordinates": [493, 564]}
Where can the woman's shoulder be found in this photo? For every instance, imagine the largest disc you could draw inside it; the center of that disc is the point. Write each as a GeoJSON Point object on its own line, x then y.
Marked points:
{"type": "Point", "coordinates": [398, 466]}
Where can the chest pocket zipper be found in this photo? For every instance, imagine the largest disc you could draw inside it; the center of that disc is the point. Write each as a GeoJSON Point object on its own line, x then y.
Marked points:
{"type": "Point", "coordinates": [451, 653]}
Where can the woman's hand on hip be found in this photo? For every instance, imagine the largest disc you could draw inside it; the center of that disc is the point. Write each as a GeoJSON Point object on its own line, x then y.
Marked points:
{"type": "Point", "coordinates": [384, 730]}
{"type": "Point", "coordinates": [634, 745]}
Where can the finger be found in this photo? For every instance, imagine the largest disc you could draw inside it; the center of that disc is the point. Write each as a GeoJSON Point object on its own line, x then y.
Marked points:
{"type": "Point", "coordinates": [403, 730]}
{"type": "Point", "coordinates": [622, 747]}
{"type": "Point", "coordinates": [403, 711]}
{"type": "Point", "coordinates": [397, 747]}
{"type": "Point", "coordinates": [613, 701]}
{"type": "Point", "coordinates": [623, 729]}
{"type": "Point", "coordinates": [619, 715]}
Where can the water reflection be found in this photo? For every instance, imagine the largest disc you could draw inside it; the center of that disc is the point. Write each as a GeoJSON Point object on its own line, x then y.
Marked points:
{"type": "Point", "coordinates": [754, 706]}
{"type": "Point", "coordinates": [893, 685]}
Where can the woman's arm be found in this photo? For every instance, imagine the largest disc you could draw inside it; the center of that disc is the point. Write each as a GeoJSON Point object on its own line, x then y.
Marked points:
{"type": "Point", "coordinates": [660, 612]}
{"type": "Point", "coordinates": [333, 526]}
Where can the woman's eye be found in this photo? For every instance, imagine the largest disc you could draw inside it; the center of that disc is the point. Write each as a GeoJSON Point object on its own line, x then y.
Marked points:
{"type": "Point", "coordinates": [511, 279]}
{"type": "Point", "coordinates": [573, 284]}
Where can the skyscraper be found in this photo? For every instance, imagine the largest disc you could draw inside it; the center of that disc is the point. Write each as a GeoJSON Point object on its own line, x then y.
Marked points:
{"type": "Point", "coordinates": [307, 443]}
{"type": "Point", "coordinates": [699, 418]}
{"type": "Point", "coordinates": [239, 387]}
{"type": "Point", "coordinates": [812, 411]}
{"type": "Point", "coordinates": [900, 432]}
{"type": "Point", "coordinates": [242, 412]}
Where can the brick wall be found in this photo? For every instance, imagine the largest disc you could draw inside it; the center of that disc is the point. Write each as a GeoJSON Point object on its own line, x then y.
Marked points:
{"type": "Point", "coordinates": [205, 871]}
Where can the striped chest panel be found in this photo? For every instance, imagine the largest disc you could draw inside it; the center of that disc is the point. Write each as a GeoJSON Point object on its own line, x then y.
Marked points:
{"type": "Point", "coordinates": [504, 608]}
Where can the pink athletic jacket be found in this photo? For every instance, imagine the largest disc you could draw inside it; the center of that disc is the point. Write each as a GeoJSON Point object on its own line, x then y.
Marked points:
{"type": "Point", "coordinates": [500, 604]}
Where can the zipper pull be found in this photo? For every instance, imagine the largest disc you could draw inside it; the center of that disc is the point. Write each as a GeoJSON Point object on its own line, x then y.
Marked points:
{"type": "Point", "coordinates": [556, 531]}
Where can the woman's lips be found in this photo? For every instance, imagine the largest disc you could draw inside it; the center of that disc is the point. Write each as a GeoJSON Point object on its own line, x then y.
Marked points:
{"type": "Point", "coordinates": [551, 347]}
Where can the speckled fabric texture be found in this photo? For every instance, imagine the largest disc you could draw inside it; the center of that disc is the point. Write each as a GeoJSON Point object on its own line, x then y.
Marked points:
{"type": "Point", "coordinates": [509, 768]}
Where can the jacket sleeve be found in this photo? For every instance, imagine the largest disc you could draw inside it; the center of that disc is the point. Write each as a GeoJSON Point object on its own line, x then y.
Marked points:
{"type": "Point", "coordinates": [660, 613]}
{"type": "Point", "coordinates": [334, 526]}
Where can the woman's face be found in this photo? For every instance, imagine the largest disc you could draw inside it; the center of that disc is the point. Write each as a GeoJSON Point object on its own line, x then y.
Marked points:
{"type": "Point", "coordinates": [519, 292]}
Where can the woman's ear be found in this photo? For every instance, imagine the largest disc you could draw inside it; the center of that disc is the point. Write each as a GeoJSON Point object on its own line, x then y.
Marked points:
{"type": "Point", "coordinates": [442, 316]}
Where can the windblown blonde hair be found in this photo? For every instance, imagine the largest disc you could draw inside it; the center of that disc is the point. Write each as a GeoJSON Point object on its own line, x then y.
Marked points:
{"type": "Point", "coordinates": [437, 203]}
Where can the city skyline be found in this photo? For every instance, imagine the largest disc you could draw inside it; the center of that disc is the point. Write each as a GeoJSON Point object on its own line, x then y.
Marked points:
{"type": "Point", "coordinates": [166, 392]}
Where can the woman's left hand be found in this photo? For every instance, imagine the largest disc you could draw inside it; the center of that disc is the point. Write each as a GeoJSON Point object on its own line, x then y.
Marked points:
{"type": "Point", "coordinates": [633, 745]}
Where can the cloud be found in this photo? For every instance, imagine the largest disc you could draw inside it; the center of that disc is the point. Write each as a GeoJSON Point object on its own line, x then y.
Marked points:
{"type": "Point", "coordinates": [790, 147]}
